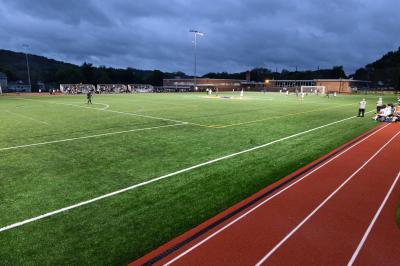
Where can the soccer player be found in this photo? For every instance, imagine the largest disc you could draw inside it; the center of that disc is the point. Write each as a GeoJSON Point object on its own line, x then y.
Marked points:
{"type": "Point", "coordinates": [89, 97]}
{"type": "Point", "coordinates": [361, 108]}
{"type": "Point", "coordinates": [241, 93]}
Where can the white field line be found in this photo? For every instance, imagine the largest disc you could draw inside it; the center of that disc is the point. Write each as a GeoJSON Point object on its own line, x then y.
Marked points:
{"type": "Point", "coordinates": [8, 227]}
{"type": "Point", "coordinates": [269, 254]}
{"type": "Point", "coordinates": [268, 199]}
{"type": "Point", "coordinates": [87, 137]}
{"type": "Point", "coordinates": [106, 106]}
{"type": "Point", "coordinates": [281, 116]}
{"type": "Point", "coordinates": [27, 117]}
{"type": "Point", "coordinates": [365, 236]}
{"type": "Point", "coordinates": [117, 112]}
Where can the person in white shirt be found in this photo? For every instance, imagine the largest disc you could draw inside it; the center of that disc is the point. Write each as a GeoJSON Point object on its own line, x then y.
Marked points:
{"type": "Point", "coordinates": [388, 110]}
{"type": "Point", "coordinates": [361, 108]}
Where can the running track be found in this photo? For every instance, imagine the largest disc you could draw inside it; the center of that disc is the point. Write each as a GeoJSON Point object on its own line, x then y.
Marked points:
{"type": "Point", "coordinates": [338, 210]}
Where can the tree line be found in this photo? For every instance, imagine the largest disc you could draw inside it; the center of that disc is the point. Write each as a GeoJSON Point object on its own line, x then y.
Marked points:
{"type": "Point", "coordinates": [383, 72]}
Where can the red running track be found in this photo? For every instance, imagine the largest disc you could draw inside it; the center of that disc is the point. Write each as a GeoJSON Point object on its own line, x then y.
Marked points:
{"type": "Point", "coordinates": [337, 210]}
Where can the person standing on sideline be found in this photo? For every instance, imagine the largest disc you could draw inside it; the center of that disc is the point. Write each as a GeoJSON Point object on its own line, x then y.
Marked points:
{"type": "Point", "coordinates": [379, 104]}
{"type": "Point", "coordinates": [361, 108]}
{"type": "Point", "coordinates": [89, 97]}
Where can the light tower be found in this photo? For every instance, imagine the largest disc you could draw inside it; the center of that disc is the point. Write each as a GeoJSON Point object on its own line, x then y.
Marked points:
{"type": "Point", "coordinates": [195, 33]}
{"type": "Point", "coordinates": [26, 46]}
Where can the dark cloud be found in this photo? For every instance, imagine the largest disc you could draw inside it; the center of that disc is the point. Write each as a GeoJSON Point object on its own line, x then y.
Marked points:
{"type": "Point", "coordinates": [240, 34]}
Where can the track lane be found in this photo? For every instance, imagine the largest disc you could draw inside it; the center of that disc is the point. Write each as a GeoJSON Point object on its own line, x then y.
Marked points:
{"type": "Point", "coordinates": [382, 246]}
{"type": "Point", "coordinates": [331, 235]}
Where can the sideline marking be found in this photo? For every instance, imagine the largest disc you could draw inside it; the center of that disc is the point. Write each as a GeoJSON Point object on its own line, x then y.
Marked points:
{"type": "Point", "coordinates": [8, 227]}
{"type": "Point", "coordinates": [27, 117]}
{"type": "Point", "coordinates": [87, 137]}
{"type": "Point", "coordinates": [269, 254]}
{"type": "Point", "coordinates": [378, 212]}
{"type": "Point", "coordinates": [270, 198]}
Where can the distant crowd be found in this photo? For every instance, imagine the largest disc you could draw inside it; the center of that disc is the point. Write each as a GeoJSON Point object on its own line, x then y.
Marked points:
{"type": "Point", "coordinates": [104, 88]}
{"type": "Point", "coordinates": [78, 89]}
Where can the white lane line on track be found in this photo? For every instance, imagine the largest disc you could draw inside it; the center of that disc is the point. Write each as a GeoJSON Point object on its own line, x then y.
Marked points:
{"type": "Point", "coordinates": [88, 137]}
{"type": "Point", "coordinates": [267, 200]}
{"type": "Point", "coordinates": [269, 254]}
{"type": "Point", "coordinates": [378, 212]}
{"type": "Point", "coordinates": [40, 217]}
{"type": "Point", "coordinates": [27, 117]}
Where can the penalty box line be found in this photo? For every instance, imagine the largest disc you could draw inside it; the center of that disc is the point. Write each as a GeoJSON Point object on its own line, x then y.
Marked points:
{"type": "Point", "coordinates": [119, 112]}
{"type": "Point", "coordinates": [52, 213]}
{"type": "Point", "coordinates": [278, 116]}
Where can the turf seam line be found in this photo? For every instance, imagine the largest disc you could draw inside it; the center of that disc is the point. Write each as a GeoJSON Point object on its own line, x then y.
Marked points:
{"type": "Point", "coordinates": [296, 228]}
{"type": "Point", "coordinates": [303, 174]}
{"type": "Point", "coordinates": [27, 117]}
{"type": "Point", "coordinates": [52, 213]}
{"type": "Point", "coordinates": [88, 137]}
{"type": "Point", "coordinates": [368, 231]}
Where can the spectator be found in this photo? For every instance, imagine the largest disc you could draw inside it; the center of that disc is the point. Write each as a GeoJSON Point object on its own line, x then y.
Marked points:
{"type": "Point", "coordinates": [361, 108]}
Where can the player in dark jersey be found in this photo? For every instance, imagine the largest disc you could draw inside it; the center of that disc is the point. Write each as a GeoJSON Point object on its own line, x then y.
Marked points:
{"type": "Point", "coordinates": [89, 97]}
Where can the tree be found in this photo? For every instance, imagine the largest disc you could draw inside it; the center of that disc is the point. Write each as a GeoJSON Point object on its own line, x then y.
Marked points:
{"type": "Point", "coordinates": [156, 78]}
{"type": "Point", "coordinates": [87, 71]}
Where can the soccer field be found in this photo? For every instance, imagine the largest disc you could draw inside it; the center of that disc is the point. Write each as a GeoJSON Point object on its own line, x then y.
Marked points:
{"type": "Point", "coordinates": [105, 183]}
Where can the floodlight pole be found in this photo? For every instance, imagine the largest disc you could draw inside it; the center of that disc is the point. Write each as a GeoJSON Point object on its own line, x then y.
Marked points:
{"type": "Point", "coordinates": [195, 33]}
{"type": "Point", "coordinates": [27, 64]}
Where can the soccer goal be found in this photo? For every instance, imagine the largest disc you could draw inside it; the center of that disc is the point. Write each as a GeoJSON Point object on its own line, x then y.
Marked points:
{"type": "Point", "coordinates": [313, 89]}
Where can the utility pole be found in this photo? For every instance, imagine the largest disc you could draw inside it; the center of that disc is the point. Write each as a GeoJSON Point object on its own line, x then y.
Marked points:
{"type": "Point", "coordinates": [195, 33]}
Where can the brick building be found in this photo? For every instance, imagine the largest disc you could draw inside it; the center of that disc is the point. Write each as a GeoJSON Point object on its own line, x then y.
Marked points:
{"type": "Point", "coordinates": [331, 85]}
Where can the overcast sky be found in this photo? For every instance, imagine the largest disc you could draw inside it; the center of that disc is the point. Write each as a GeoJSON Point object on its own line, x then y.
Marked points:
{"type": "Point", "coordinates": [239, 34]}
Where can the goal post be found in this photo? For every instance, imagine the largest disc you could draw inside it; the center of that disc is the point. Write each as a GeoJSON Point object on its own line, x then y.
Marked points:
{"type": "Point", "coordinates": [313, 89]}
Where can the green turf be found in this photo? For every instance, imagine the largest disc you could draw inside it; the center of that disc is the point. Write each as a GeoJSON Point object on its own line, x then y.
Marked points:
{"type": "Point", "coordinates": [39, 179]}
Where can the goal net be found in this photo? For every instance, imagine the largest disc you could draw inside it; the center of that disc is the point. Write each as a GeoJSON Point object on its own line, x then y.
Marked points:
{"type": "Point", "coordinates": [313, 89]}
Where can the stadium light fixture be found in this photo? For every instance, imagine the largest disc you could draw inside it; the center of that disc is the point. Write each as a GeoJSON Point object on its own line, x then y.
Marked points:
{"type": "Point", "coordinates": [195, 33]}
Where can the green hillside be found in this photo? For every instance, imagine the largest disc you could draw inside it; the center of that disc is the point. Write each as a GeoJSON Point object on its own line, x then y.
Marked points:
{"type": "Point", "coordinates": [383, 72]}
